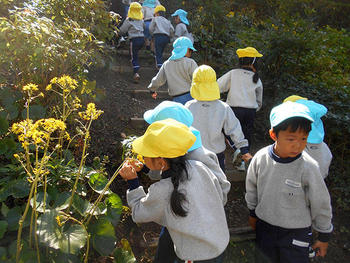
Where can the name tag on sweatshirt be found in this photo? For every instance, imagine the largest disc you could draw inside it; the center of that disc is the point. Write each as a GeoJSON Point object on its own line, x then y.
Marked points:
{"type": "Point", "coordinates": [292, 183]}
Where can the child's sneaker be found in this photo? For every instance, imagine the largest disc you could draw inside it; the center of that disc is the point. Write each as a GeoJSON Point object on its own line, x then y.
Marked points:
{"type": "Point", "coordinates": [136, 77]}
{"type": "Point", "coordinates": [235, 154]}
{"type": "Point", "coordinates": [241, 167]}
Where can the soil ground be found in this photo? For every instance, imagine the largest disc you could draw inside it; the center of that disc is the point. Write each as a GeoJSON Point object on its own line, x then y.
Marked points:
{"type": "Point", "coordinates": [120, 104]}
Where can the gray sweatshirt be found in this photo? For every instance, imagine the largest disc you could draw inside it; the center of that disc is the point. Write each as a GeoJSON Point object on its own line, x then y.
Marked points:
{"type": "Point", "coordinates": [242, 91]}
{"type": "Point", "coordinates": [213, 117]}
{"type": "Point", "coordinates": [289, 195]}
{"type": "Point", "coordinates": [161, 25]}
{"type": "Point", "coordinates": [203, 233]}
{"type": "Point", "coordinates": [209, 159]}
{"type": "Point", "coordinates": [177, 74]}
{"type": "Point", "coordinates": [181, 31]}
{"type": "Point", "coordinates": [134, 28]}
{"type": "Point", "coordinates": [321, 153]}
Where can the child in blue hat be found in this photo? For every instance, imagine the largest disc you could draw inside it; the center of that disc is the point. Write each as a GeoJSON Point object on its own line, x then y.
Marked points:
{"type": "Point", "coordinates": [285, 192]}
{"type": "Point", "coordinates": [181, 21]}
{"type": "Point", "coordinates": [177, 72]}
{"type": "Point", "coordinates": [315, 146]}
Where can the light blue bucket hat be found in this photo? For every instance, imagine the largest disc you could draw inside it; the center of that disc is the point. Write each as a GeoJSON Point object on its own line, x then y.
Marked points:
{"type": "Point", "coordinates": [180, 47]}
{"type": "Point", "coordinates": [176, 111]}
{"type": "Point", "coordinates": [182, 15]}
{"type": "Point", "coordinates": [317, 110]}
{"type": "Point", "coordinates": [288, 110]}
{"type": "Point", "coordinates": [149, 3]}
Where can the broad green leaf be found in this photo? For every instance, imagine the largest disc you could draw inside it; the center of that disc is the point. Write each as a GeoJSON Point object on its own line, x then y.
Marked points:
{"type": "Point", "coordinates": [4, 125]}
{"type": "Point", "coordinates": [40, 202]}
{"type": "Point", "coordinates": [35, 112]}
{"type": "Point", "coordinates": [4, 209]}
{"type": "Point", "coordinates": [3, 146]}
{"type": "Point", "coordinates": [66, 258]}
{"type": "Point", "coordinates": [68, 238]}
{"type": "Point", "coordinates": [3, 228]}
{"type": "Point", "coordinates": [62, 201]}
{"type": "Point", "coordinates": [10, 112]}
{"type": "Point", "coordinates": [97, 182]}
{"type": "Point", "coordinates": [114, 208]}
{"type": "Point", "coordinates": [81, 205]}
{"type": "Point", "coordinates": [20, 188]}
{"type": "Point", "coordinates": [13, 216]}
{"type": "Point", "coordinates": [103, 236]}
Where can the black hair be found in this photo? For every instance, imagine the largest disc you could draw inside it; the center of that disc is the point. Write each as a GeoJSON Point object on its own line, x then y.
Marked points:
{"type": "Point", "coordinates": [293, 124]}
{"type": "Point", "coordinates": [178, 174]}
{"type": "Point", "coordinates": [246, 63]}
{"type": "Point", "coordinates": [161, 13]}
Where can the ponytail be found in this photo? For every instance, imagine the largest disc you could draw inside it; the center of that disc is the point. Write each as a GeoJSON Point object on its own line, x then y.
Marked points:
{"type": "Point", "coordinates": [178, 174]}
{"type": "Point", "coordinates": [250, 63]}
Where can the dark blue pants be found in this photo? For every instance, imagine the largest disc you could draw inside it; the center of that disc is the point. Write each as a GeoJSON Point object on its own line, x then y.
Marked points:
{"type": "Point", "coordinates": [165, 250]}
{"type": "Point", "coordinates": [136, 44]}
{"type": "Point", "coordinates": [281, 245]}
{"type": "Point", "coordinates": [160, 41]}
{"type": "Point", "coordinates": [246, 118]}
{"type": "Point", "coordinates": [221, 157]}
{"type": "Point", "coordinates": [146, 32]}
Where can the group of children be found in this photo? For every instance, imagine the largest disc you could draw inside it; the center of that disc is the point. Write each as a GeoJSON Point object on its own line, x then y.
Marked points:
{"type": "Point", "coordinates": [184, 149]}
{"type": "Point", "coordinates": [147, 24]}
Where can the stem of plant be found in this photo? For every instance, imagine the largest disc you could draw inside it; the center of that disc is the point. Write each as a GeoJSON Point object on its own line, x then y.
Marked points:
{"type": "Point", "coordinates": [80, 166]}
{"type": "Point", "coordinates": [92, 210]}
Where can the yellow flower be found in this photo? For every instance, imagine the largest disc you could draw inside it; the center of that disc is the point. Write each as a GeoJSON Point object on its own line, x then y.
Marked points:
{"type": "Point", "coordinates": [230, 14]}
{"type": "Point", "coordinates": [58, 220]}
{"type": "Point", "coordinates": [66, 83]}
{"type": "Point", "coordinates": [91, 113]}
{"type": "Point", "coordinates": [140, 158]}
{"type": "Point", "coordinates": [30, 87]}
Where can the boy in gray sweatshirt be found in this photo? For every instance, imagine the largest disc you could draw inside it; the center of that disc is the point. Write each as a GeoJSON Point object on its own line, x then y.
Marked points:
{"type": "Point", "coordinates": [177, 72]}
{"type": "Point", "coordinates": [286, 193]}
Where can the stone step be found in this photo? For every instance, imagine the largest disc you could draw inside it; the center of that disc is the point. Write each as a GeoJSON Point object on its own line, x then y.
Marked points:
{"type": "Point", "coordinates": [145, 94]}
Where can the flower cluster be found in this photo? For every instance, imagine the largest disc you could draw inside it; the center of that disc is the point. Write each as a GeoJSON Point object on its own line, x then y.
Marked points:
{"type": "Point", "coordinates": [66, 83]}
{"type": "Point", "coordinates": [91, 113]}
{"type": "Point", "coordinates": [31, 88]}
{"type": "Point", "coordinates": [38, 132]}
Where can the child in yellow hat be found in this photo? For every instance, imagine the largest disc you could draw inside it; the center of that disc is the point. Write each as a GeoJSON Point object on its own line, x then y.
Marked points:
{"type": "Point", "coordinates": [162, 30]}
{"type": "Point", "coordinates": [212, 116]}
{"type": "Point", "coordinates": [187, 191]}
{"type": "Point", "coordinates": [134, 27]}
{"type": "Point", "coordinates": [245, 90]}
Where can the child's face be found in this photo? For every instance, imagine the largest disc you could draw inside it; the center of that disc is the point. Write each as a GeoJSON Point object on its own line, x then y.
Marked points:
{"type": "Point", "coordinates": [153, 163]}
{"type": "Point", "coordinates": [177, 19]}
{"type": "Point", "coordinates": [288, 143]}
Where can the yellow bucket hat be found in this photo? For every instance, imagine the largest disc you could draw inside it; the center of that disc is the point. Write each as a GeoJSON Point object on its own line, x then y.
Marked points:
{"type": "Point", "coordinates": [248, 52]}
{"type": "Point", "coordinates": [167, 138]}
{"type": "Point", "coordinates": [135, 11]}
{"type": "Point", "coordinates": [204, 86]}
{"type": "Point", "coordinates": [294, 98]}
{"type": "Point", "coordinates": [159, 8]}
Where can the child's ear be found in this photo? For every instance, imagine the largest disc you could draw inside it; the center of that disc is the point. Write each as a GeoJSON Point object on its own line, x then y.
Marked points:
{"type": "Point", "coordinates": [272, 134]}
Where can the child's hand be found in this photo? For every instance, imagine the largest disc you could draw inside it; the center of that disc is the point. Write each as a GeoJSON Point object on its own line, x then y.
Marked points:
{"type": "Point", "coordinates": [136, 164]}
{"type": "Point", "coordinates": [252, 222]}
{"type": "Point", "coordinates": [246, 157]}
{"type": "Point", "coordinates": [154, 95]}
{"type": "Point", "coordinates": [128, 172]}
{"type": "Point", "coordinates": [320, 248]}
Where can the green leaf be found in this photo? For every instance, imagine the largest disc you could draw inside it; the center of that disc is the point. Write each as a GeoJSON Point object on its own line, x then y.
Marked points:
{"type": "Point", "coordinates": [114, 208]}
{"type": "Point", "coordinates": [97, 182]}
{"type": "Point", "coordinates": [40, 202]}
{"type": "Point", "coordinates": [62, 201]}
{"type": "Point", "coordinates": [68, 238]}
{"type": "Point", "coordinates": [4, 125]}
{"type": "Point", "coordinates": [35, 112]}
{"type": "Point", "coordinates": [4, 209]}
{"type": "Point", "coordinates": [3, 228]}
{"type": "Point", "coordinates": [10, 112]}
{"type": "Point", "coordinates": [3, 146]}
{"type": "Point", "coordinates": [81, 205]}
{"type": "Point", "coordinates": [123, 256]}
{"type": "Point", "coordinates": [67, 258]}
{"type": "Point", "coordinates": [103, 238]}
{"type": "Point", "coordinates": [13, 216]}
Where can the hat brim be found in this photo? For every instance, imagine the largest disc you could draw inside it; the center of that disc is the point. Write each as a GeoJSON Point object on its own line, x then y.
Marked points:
{"type": "Point", "coordinates": [138, 146]}
{"type": "Point", "coordinates": [148, 116]}
{"type": "Point", "coordinates": [198, 142]}
{"type": "Point", "coordinates": [180, 53]}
